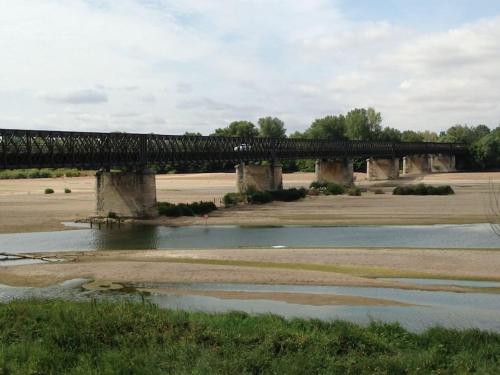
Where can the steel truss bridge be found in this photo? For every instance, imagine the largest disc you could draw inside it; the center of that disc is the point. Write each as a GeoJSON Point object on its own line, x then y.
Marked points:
{"type": "Point", "coordinates": [56, 149]}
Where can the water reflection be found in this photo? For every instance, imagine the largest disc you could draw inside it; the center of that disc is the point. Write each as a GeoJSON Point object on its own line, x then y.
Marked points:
{"type": "Point", "coordinates": [126, 238]}
{"type": "Point", "coordinates": [129, 237]}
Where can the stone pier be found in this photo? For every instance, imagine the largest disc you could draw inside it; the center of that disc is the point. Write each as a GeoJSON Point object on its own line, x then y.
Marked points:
{"type": "Point", "coordinates": [127, 194]}
{"type": "Point", "coordinates": [336, 170]}
{"type": "Point", "coordinates": [382, 169]}
{"type": "Point", "coordinates": [443, 163]}
{"type": "Point", "coordinates": [261, 177]}
{"type": "Point", "coordinates": [418, 164]}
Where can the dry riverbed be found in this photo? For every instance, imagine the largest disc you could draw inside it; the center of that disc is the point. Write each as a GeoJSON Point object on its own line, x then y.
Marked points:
{"type": "Point", "coordinates": [25, 208]}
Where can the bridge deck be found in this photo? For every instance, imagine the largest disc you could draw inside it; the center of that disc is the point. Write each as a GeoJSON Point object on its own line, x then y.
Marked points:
{"type": "Point", "coordinates": [53, 149]}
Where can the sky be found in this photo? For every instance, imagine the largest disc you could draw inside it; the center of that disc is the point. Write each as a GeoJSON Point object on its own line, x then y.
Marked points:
{"type": "Point", "coordinates": [171, 66]}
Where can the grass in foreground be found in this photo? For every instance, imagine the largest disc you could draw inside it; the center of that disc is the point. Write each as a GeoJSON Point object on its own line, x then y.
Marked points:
{"type": "Point", "coordinates": [51, 337]}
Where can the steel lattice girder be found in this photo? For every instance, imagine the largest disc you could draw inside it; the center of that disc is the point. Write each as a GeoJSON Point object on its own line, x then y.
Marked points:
{"type": "Point", "coordinates": [54, 149]}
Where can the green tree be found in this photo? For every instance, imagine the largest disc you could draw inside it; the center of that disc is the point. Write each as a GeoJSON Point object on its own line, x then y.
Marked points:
{"type": "Point", "coordinates": [363, 124]}
{"type": "Point", "coordinates": [464, 133]}
{"type": "Point", "coordinates": [390, 135]}
{"type": "Point", "coordinates": [238, 129]}
{"type": "Point", "coordinates": [486, 151]}
{"type": "Point", "coordinates": [193, 134]}
{"type": "Point", "coordinates": [428, 136]}
{"type": "Point", "coordinates": [411, 136]}
{"type": "Point", "coordinates": [272, 127]}
{"type": "Point", "coordinates": [329, 127]}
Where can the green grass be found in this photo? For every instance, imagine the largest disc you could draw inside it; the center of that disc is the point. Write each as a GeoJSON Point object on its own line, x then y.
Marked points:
{"type": "Point", "coordinates": [56, 337]}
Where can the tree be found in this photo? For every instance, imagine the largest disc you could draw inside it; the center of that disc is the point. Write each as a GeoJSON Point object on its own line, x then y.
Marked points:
{"type": "Point", "coordinates": [390, 135]}
{"type": "Point", "coordinates": [238, 129]}
{"type": "Point", "coordinates": [193, 134]}
{"type": "Point", "coordinates": [486, 151]}
{"type": "Point", "coordinates": [329, 127]}
{"type": "Point", "coordinates": [272, 127]}
{"type": "Point", "coordinates": [411, 136]}
{"type": "Point", "coordinates": [363, 124]}
{"type": "Point", "coordinates": [465, 134]}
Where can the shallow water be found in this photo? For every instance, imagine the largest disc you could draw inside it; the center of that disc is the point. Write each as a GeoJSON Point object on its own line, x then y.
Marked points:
{"type": "Point", "coordinates": [453, 310]}
{"type": "Point", "coordinates": [220, 237]}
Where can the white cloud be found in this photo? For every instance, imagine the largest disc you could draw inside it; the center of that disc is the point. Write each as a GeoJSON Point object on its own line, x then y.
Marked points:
{"type": "Point", "coordinates": [171, 66]}
{"type": "Point", "coordinates": [88, 96]}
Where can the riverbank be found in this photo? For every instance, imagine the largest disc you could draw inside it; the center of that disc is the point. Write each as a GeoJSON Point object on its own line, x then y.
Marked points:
{"type": "Point", "coordinates": [25, 208]}
{"type": "Point", "coordinates": [344, 267]}
{"type": "Point", "coordinates": [62, 337]}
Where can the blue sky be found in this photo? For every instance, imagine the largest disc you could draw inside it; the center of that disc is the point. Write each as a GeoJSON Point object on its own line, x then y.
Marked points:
{"type": "Point", "coordinates": [170, 66]}
{"type": "Point", "coordinates": [424, 15]}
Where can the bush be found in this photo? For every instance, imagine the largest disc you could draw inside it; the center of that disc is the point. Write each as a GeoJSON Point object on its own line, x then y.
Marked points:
{"type": "Point", "coordinates": [354, 191]}
{"type": "Point", "coordinates": [112, 215]}
{"type": "Point", "coordinates": [318, 185]}
{"type": "Point", "coordinates": [49, 191]}
{"type": "Point", "coordinates": [379, 191]}
{"type": "Point", "coordinates": [422, 189]}
{"type": "Point", "coordinates": [259, 197]}
{"type": "Point", "coordinates": [231, 199]}
{"type": "Point", "coordinates": [184, 209]}
{"type": "Point", "coordinates": [335, 189]}
{"type": "Point", "coordinates": [288, 195]}
{"type": "Point", "coordinates": [67, 191]}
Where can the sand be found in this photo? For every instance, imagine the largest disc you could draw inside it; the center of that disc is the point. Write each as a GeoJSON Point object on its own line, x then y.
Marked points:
{"type": "Point", "coordinates": [346, 267]}
{"type": "Point", "coordinates": [25, 208]}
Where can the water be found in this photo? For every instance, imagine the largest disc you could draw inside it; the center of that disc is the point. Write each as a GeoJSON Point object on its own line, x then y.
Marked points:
{"type": "Point", "coordinates": [453, 310]}
{"type": "Point", "coordinates": [222, 237]}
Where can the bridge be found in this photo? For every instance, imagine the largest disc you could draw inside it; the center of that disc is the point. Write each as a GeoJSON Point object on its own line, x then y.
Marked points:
{"type": "Point", "coordinates": [133, 192]}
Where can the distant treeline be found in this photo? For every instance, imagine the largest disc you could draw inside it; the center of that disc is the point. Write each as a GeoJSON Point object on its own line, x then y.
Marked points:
{"type": "Point", "coordinates": [358, 124]}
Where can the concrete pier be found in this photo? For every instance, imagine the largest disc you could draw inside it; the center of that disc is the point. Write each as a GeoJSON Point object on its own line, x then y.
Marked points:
{"type": "Point", "coordinates": [127, 194]}
{"type": "Point", "coordinates": [382, 169]}
{"type": "Point", "coordinates": [443, 163]}
{"type": "Point", "coordinates": [418, 164]}
{"type": "Point", "coordinates": [337, 170]}
{"type": "Point", "coordinates": [261, 177]}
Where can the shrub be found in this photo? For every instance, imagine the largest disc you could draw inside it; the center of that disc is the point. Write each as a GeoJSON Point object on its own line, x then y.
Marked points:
{"type": "Point", "coordinates": [202, 208]}
{"type": "Point", "coordinates": [49, 191]}
{"type": "Point", "coordinates": [354, 191]}
{"type": "Point", "coordinates": [231, 199]}
{"type": "Point", "coordinates": [379, 191]}
{"type": "Point", "coordinates": [184, 209]}
{"type": "Point", "coordinates": [67, 191]}
{"type": "Point", "coordinates": [259, 197]}
{"type": "Point", "coordinates": [335, 189]}
{"type": "Point", "coordinates": [422, 189]}
{"type": "Point", "coordinates": [112, 215]}
{"type": "Point", "coordinates": [318, 185]}
{"type": "Point", "coordinates": [288, 195]}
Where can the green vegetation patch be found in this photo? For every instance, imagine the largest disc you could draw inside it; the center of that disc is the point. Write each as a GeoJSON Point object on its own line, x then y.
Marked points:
{"type": "Point", "coordinates": [422, 189]}
{"type": "Point", "coordinates": [186, 209]}
{"type": "Point", "coordinates": [9, 174]}
{"type": "Point", "coordinates": [49, 191]}
{"type": "Point", "coordinates": [55, 337]}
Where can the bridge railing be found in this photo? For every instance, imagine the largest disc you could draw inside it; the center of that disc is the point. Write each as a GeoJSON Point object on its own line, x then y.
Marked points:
{"type": "Point", "coordinates": [36, 148]}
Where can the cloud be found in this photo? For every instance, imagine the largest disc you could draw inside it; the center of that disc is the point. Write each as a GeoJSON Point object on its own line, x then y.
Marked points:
{"type": "Point", "coordinates": [88, 96]}
{"type": "Point", "coordinates": [227, 60]}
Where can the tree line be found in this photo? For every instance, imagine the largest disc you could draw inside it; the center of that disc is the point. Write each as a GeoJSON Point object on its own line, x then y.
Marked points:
{"type": "Point", "coordinates": [358, 124]}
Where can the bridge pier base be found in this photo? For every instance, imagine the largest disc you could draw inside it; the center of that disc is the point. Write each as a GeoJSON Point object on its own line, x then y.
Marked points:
{"type": "Point", "coordinates": [443, 163]}
{"type": "Point", "coordinates": [127, 194]}
{"type": "Point", "coordinates": [382, 169]}
{"type": "Point", "coordinates": [261, 177]}
{"type": "Point", "coordinates": [419, 164]}
{"type": "Point", "coordinates": [340, 171]}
